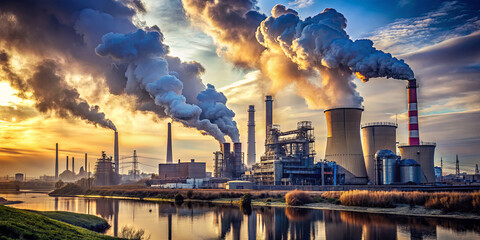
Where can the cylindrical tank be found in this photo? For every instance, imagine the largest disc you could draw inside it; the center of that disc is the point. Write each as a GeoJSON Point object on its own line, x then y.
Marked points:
{"type": "Point", "coordinates": [410, 171]}
{"type": "Point", "coordinates": [388, 166]}
{"type": "Point", "coordinates": [343, 140]}
{"type": "Point", "coordinates": [424, 155]}
{"type": "Point", "coordinates": [377, 136]}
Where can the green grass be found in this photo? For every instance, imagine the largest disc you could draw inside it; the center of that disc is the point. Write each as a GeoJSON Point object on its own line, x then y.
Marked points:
{"type": "Point", "coordinates": [23, 224]}
{"type": "Point", "coordinates": [90, 222]}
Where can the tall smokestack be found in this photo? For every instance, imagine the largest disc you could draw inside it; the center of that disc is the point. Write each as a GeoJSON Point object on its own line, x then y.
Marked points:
{"type": "Point", "coordinates": [268, 115]}
{"type": "Point", "coordinates": [169, 144]}
{"type": "Point", "coordinates": [251, 136]}
{"type": "Point", "coordinates": [67, 163]}
{"type": "Point", "coordinates": [115, 154]}
{"type": "Point", "coordinates": [237, 163]}
{"type": "Point", "coordinates": [73, 164]}
{"type": "Point", "coordinates": [56, 162]}
{"type": "Point", "coordinates": [227, 166]}
{"type": "Point", "coordinates": [343, 141]}
{"type": "Point", "coordinates": [85, 167]}
{"type": "Point", "coordinates": [413, 134]}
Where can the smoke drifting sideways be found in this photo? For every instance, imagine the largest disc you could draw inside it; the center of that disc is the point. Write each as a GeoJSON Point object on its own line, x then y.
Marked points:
{"type": "Point", "coordinates": [148, 69]}
{"type": "Point", "coordinates": [297, 52]}
{"type": "Point", "coordinates": [51, 93]}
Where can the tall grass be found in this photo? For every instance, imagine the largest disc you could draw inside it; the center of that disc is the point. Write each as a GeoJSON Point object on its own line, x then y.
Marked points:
{"type": "Point", "coordinates": [297, 198]}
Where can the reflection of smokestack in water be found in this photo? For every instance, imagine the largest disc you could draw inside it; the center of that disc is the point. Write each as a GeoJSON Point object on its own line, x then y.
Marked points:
{"type": "Point", "coordinates": [115, 154]}
{"type": "Point", "coordinates": [268, 115]}
{"type": "Point", "coordinates": [67, 163]}
{"type": "Point", "coordinates": [73, 164]}
{"type": "Point", "coordinates": [343, 142]}
{"type": "Point", "coordinates": [251, 136]}
{"type": "Point", "coordinates": [56, 162]}
{"type": "Point", "coordinates": [413, 134]}
{"type": "Point", "coordinates": [169, 144]}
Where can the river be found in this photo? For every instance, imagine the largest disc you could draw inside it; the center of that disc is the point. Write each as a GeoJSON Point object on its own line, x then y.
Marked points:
{"type": "Point", "coordinates": [209, 221]}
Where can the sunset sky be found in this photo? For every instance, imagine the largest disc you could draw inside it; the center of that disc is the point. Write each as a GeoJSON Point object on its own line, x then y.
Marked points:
{"type": "Point", "coordinates": [52, 65]}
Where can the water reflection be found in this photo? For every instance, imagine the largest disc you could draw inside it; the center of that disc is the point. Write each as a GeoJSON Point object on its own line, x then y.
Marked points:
{"type": "Point", "coordinates": [208, 221]}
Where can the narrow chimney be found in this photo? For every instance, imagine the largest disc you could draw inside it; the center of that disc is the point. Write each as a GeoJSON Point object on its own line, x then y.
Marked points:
{"type": "Point", "coordinates": [413, 133]}
{"type": "Point", "coordinates": [268, 115]}
{"type": "Point", "coordinates": [73, 164]}
{"type": "Point", "coordinates": [67, 163]}
{"type": "Point", "coordinates": [115, 154]}
{"type": "Point", "coordinates": [85, 162]}
{"type": "Point", "coordinates": [169, 144]}
{"type": "Point", "coordinates": [251, 136]}
{"type": "Point", "coordinates": [56, 162]}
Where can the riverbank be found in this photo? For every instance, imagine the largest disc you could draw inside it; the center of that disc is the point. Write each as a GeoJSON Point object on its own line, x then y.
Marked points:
{"type": "Point", "coordinates": [4, 201]}
{"type": "Point", "coordinates": [25, 224]}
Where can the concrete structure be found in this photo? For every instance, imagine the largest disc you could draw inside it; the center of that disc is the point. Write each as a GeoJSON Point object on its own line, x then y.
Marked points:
{"type": "Point", "coordinates": [410, 171]}
{"type": "Point", "coordinates": [413, 133]}
{"type": "Point", "coordinates": [251, 155]}
{"type": "Point", "coordinates": [104, 172]}
{"type": "Point", "coordinates": [115, 154]}
{"type": "Point", "coordinates": [182, 170]}
{"type": "Point", "coordinates": [422, 154]}
{"type": "Point", "coordinates": [268, 115]}
{"type": "Point", "coordinates": [377, 136]}
{"type": "Point", "coordinates": [343, 142]}
{"type": "Point", "coordinates": [169, 144]}
{"type": "Point", "coordinates": [19, 177]}
{"type": "Point", "coordinates": [73, 165]}
{"type": "Point", "coordinates": [227, 163]}
{"type": "Point", "coordinates": [67, 164]}
{"type": "Point", "coordinates": [85, 166]}
{"type": "Point", "coordinates": [239, 185]}
{"type": "Point", "coordinates": [56, 162]}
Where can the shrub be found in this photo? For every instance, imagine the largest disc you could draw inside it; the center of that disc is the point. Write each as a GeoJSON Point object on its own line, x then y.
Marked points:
{"type": "Point", "coordinates": [130, 233]}
{"type": "Point", "coordinates": [179, 198]}
{"type": "Point", "coordinates": [297, 198]}
{"type": "Point", "coordinates": [245, 200]}
{"type": "Point", "coordinates": [190, 194]}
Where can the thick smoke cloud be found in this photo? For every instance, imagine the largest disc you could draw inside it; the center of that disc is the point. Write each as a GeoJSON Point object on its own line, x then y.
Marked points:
{"type": "Point", "coordinates": [145, 53]}
{"type": "Point", "coordinates": [51, 93]}
{"type": "Point", "coordinates": [69, 31]}
{"type": "Point", "coordinates": [291, 51]}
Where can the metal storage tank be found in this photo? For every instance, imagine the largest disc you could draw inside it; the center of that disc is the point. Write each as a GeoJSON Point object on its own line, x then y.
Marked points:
{"type": "Point", "coordinates": [343, 141]}
{"type": "Point", "coordinates": [389, 166]}
{"type": "Point", "coordinates": [377, 136]}
{"type": "Point", "coordinates": [422, 154]}
{"type": "Point", "coordinates": [410, 171]}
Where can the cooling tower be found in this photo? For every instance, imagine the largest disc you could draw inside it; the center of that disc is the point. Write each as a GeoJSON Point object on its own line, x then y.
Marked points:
{"type": "Point", "coordinates": [343, 141]}
{"type": "Point", "coordinates": [115, 154]}
{"type": "Point", "coordinates": [377, 136]}
{"type": "Point", "coordinates": [251, 156]}
{"type": "Point", "coordinates": [268, 115]}
{"type": "Point", "coordinates": [56, 162]}
{"type": "Point", "coordinates": [169, 144]}
{"type": "Point", "coordinates": [422, 154]}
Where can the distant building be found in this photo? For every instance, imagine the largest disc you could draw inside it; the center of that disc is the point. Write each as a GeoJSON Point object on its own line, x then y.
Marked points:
{"type": "Point", "coordinates": [239, 185]}
{"type": "Point", "coordinates": [190, 169]}
{"type": "Point", "coordinates": [105, 174]}
{"type": "Point", "coordinates": [19, 177]}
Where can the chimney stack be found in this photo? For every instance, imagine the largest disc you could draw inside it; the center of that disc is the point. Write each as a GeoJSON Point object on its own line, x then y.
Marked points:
{"type": "Point", "coordinates": [73, 164]}
{"type": "Point", "coordinates": [56, 162]}
{"type": "Point", "coordinates": [268, 115]}
{"type": "Point", "coordinates": [413, 134]}
{"type": "Point", "coordinates": [85, 162]}
{"type": "Point", "coordinates": [115, 154]}
{"type": "Point", "coordinates": [67, 163]}
{"type": "Point", "coordinates": [251, 136]}
{"type": "Point", "coordinates": [169, 144]}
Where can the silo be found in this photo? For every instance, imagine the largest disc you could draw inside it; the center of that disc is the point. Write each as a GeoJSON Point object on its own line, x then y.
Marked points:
{"type": "Point", "coordinates": [390, 170]}
{"type": "Point", "coordinates": [343, 141]}
{"type": "Point", "coordinates": [422, 154]}
{"type": "Point", "coordinates": [377, 136]}
{"type": "Point", "coordinates": [410, 171]}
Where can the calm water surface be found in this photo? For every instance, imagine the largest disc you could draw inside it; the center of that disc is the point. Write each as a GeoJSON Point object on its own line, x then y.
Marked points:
{"type": "Point", "coordinates": [208, 221]}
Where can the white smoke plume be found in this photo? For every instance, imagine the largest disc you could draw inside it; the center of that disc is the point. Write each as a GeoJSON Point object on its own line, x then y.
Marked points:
{"type": "Point", "coordinates": [148, 70]}
{"type": "Point", "coordinates": [314, 55]}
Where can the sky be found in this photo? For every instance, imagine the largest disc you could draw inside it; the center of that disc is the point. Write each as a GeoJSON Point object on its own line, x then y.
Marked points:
{"type": "Point", "coordinates": [65, 79]}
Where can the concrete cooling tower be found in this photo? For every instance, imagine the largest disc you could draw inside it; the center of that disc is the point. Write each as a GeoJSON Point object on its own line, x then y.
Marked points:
{"type": "Point", "coordinates": [343, 141]}
{"type": "Point", "coordinates": [377, 136]}
{"type": "Point", "coordinates": [422, 154]}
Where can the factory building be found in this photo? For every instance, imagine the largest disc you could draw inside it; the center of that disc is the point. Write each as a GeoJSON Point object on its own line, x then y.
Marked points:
{"type": "Point", "coordinates": [289, 155]}
{"type": "Point", "coordinates": [227, 163]}
{"type": "Point", "coordinates": [377, 136]}
{"type": "Point", "coordinates": [343, 143]}
{"type": "Point", "coordinates": [182, 170]}
{"type": "Point", "coordinates": [105, 174]}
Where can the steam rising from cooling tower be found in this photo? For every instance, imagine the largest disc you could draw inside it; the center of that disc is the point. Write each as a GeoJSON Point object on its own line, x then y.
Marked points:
{"type": "Point", "coordinates": [147, 68]}
{"type": "Point", "coordinates": [289, 50]}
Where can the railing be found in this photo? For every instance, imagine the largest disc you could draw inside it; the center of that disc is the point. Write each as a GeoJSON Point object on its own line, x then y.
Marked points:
{"type": "Point", "coordinates": [379, 124]}
{"type": "Point", "coordinates": [422, 143]}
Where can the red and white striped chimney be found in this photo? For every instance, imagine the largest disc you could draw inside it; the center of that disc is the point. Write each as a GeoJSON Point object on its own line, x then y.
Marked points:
{"type": "Point", "coordinates": [413, 134]}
